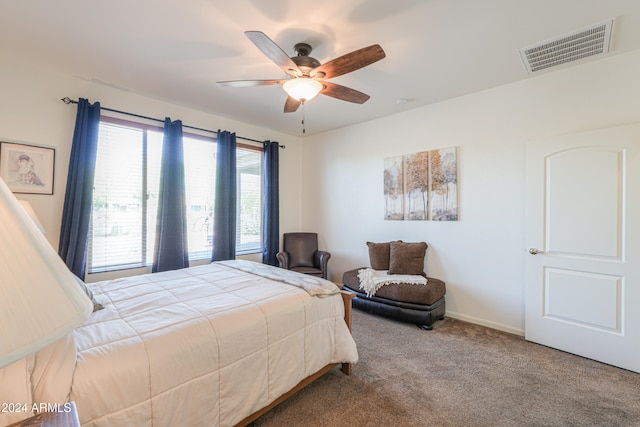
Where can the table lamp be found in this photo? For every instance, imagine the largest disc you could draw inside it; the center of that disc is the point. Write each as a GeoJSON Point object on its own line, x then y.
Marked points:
{"type": "Point", "coordinates": [40, 299]}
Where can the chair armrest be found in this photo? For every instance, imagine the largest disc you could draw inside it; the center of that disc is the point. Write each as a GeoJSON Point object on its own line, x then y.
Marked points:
{"type": "Point", "coordinates": [321, 258]}
{"type": "Point", "coordinates": [283, 260]}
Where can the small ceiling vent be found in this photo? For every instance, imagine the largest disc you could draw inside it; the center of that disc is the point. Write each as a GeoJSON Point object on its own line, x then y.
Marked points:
{"type": "Point", "coordinates": [590, 41]}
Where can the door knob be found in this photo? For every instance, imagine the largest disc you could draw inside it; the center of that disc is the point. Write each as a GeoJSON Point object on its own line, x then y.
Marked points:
{"type": "Point", "coordinates": [534, 251]}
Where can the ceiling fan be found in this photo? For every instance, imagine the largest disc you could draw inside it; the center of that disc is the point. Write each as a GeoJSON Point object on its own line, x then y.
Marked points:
{"type": "Point", "coordinates": [307, 76]}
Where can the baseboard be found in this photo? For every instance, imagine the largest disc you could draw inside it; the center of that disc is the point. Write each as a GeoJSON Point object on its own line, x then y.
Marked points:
{"type": "Point", "coordinates": [487, 323]}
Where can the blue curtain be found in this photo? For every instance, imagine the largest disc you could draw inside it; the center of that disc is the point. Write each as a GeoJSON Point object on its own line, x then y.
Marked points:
{"type": "Point", "coordinates": [78, 198]}
{"type": "Point", "coordinates": [171, 251]}
{"type": "Point", "coordinates": [271, 209]}
{"type": "Point", "coordinates": [224, 210]}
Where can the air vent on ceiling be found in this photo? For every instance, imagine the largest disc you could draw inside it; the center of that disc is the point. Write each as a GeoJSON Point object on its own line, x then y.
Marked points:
{"type": "Point", "coordinates": [590, 41]}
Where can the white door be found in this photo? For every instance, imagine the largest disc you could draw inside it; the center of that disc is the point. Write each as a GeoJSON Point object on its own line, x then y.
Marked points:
{"type": "Point", "coordinates": [583, 244]}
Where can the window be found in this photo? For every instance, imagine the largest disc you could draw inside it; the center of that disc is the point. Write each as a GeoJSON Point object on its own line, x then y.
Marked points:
{"type": "Point", "coordinates": [249, 209]}
{"type": "Point", "coordinates": [200, 176]}
{"type": "Point", "coordinates": [125, 196]}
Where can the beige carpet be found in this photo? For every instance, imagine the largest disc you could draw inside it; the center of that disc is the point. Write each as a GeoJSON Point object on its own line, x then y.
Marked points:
{"type": "Point", "coordinates": [460, 374]}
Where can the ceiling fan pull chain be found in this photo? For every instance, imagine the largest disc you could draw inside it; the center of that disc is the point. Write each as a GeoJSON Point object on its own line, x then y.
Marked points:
{"type": "Point", "coordinates": [303, 127]}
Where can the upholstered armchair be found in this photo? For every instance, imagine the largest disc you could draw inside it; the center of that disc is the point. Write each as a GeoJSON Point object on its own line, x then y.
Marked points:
{"type": "Point", "coordinates": [300, 253]}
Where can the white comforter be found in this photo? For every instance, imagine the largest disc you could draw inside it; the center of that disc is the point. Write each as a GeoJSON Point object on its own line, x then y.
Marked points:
{"type": "Point", "coordinates": [204, 346]}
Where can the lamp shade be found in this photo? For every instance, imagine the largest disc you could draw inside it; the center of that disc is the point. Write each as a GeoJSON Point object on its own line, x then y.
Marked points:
{"type": "Point", "coordinates": [302, 88]}
{"type": "Point", "coordinates": [32, 214]}
{"type": "Point", "coordinates": [40, 299]}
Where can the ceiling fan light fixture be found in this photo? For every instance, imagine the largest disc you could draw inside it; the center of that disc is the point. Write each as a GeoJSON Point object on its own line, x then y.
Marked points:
{"type": "Point", "coordinates": [302, 88]}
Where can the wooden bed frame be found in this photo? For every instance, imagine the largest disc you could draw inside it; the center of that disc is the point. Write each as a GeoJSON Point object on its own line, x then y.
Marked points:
{"type": "Point", "coordinates": [346, 369]}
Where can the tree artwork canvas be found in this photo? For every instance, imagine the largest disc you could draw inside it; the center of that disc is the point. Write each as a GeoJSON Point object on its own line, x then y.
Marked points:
{"type": "Point", "coordinates": [416, 191]}
{"type": "Point", "coordinates": [393, 188]}
{"type": "Point", "coordinates": [422, 186]}
{"type": "Point", "coordinates": [444, 184]}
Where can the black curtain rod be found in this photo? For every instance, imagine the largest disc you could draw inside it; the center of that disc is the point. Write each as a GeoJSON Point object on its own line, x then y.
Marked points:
{"type": "Point", "coordinates": [68, 100]}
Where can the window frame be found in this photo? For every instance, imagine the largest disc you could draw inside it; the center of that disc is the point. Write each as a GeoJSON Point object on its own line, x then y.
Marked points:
{"type": "Point", "coordinates": [146, 127]}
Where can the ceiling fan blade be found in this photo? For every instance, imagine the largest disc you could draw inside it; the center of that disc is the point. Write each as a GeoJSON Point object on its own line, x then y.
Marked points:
{"type": "Point", "coordinates": [350, 62]}
{"type": "Point", "coordinates": [344, 93]}
{"type": "Point", "coordinates": [248, 83]}
{"type": "Point", "coordinates": [291, 105]}
{"type": "Point", "coordinates": [273, 52]}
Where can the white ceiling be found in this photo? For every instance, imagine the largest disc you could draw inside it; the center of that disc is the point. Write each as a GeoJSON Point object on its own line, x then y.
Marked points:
{"type": "Point", "coordinates": [175, 51]}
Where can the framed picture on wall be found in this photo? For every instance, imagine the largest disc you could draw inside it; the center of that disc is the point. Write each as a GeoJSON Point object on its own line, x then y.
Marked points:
{"type": "Point", "coordinates": [27, 168]}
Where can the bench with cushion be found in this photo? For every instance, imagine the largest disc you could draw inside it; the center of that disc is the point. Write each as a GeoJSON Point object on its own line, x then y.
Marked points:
{"type": "Point", "coordinates": [419, 304]}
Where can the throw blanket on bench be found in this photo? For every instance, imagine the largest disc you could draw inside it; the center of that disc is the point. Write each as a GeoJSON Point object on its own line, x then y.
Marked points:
{"type": "Point", "coordinates": [371, 280]}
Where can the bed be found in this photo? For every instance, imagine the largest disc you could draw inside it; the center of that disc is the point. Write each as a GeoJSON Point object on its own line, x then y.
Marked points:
{"type": "Point", "coordinates": [212, 345]}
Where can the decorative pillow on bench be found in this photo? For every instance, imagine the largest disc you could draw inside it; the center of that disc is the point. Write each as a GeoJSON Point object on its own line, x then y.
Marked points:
{"type": "Point", "coordinates": [407, 258]}
{"type": "Point", "coordinates": [379, 255]}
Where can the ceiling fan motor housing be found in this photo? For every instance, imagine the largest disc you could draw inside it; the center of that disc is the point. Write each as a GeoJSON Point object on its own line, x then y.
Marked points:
{"type": "Point", "coordinates": [302, 58]}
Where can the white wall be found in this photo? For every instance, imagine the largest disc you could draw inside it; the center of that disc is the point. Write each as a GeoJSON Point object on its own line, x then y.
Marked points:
{"type": "Point", "coordinates": [31, 113]}
{"type": "Point", "coordinates": [481, 256]}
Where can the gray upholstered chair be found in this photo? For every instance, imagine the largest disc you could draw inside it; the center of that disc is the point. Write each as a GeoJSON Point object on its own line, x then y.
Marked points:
{"type": "Point", "coordinates": [300, 253]}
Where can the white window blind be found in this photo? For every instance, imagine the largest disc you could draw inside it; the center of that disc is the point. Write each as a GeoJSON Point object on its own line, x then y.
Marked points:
{"type": "Point", "coordinates": [125, 193]}
{"type": "Point", "coordinates": [249, 209]}
{"type": "Point", "coordinates": [200, 176]}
